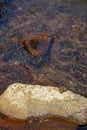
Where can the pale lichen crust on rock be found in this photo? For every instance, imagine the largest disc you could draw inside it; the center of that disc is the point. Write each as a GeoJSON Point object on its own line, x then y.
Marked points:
{"type": "Point", "coordinates": [22, 101]}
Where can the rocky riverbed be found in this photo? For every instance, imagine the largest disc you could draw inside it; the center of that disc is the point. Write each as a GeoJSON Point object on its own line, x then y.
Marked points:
{"type": "Point", "coordinates": [45, 43]}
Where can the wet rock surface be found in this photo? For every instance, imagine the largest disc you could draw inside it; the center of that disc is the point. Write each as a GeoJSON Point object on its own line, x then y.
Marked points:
{"type": "Point", "coordinates": [48, 123]}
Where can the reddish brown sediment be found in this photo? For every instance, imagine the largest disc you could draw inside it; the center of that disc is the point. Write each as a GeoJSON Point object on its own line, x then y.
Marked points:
{"type": "Point", "coordinates": [10, 73]}
{"type": "Point", "coordinates": [41, 123]}
{"type": "Point", "coordinates": [31, 43]}
{"type": "Point", "coordinates": [1, 5]}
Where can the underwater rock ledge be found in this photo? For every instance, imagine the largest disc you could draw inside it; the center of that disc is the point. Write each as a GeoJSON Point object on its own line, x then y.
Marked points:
{"type": "Point", "coordinates": [22, 101]}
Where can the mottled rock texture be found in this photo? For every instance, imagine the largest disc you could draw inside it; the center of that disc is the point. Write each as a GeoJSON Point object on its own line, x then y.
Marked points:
{"type": "Point", "coordinates": [22, 101]}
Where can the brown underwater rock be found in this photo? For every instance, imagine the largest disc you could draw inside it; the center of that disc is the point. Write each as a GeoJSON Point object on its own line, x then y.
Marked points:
{"type": "Point", "coordinates": [37, 44]}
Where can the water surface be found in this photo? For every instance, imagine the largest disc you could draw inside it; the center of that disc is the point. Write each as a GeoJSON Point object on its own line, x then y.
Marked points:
{"type": "Point", "coordinates": [64, 63]}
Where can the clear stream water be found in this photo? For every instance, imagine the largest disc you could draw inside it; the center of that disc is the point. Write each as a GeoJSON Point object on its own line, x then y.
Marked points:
{"type": "Point", "coordinates": [64, 63]}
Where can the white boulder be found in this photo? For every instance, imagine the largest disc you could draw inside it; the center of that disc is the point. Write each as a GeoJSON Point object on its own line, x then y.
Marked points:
{"type": "Point", "coordinates": [22, 101]}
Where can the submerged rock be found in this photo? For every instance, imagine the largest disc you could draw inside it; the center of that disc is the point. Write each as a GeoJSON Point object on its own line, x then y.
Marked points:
{"type": "Point", "coordinates": [22, 101]}
{"type": "Point", "coordinates": [37, 45]}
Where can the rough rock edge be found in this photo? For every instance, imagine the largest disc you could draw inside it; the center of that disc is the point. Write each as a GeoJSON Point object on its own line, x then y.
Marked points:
{"type": "Point", "coordinates": [22, 101]}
